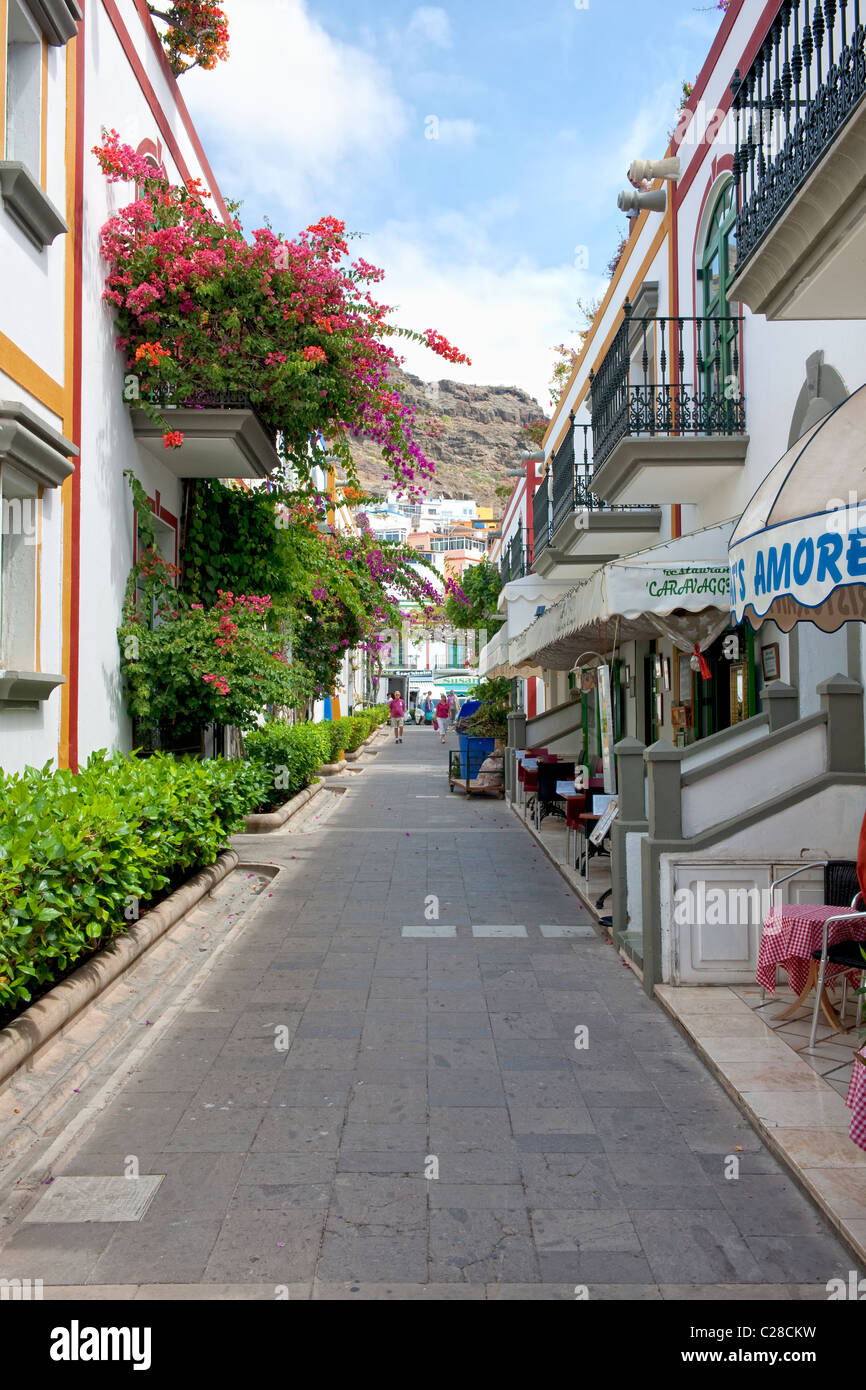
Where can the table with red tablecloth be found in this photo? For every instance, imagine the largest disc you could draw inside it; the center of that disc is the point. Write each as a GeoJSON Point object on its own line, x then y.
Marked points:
{"type": "Point", "coordinates": [792, 932]}
{"type": "Point", "coordinates": [856, 1099]}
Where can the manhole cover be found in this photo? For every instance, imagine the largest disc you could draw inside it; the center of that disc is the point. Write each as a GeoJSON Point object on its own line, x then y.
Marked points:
{"type": "Point", "coordinates": [96, 1199]}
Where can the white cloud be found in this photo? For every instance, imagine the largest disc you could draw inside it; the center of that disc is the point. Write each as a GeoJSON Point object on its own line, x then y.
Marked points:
{"type": "Point", "coordinates": [297, 111]}
{"type": "Point", "coordinates": [429, 24]}
{"type": "Point", "coordinates": [299, 124]}
{"type": "Point", "coordinates": [505, 314]}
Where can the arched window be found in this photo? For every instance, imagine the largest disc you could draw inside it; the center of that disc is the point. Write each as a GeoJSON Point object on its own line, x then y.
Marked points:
{"type": "Point", "coordinates": [720, 346]}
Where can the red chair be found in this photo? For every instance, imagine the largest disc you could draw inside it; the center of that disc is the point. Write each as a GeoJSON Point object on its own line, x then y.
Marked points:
{"type": "Point", "coordinates": [574, 808]}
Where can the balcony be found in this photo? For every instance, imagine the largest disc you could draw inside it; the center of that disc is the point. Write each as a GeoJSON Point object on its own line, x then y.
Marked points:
{"type": "Point", "coordinates": [800, 165]}
{"type": "Point", "coordinates": [513, 563]}
{"type": "Point", "coordinates": [668, 414]}
{"type": "Point", "coordinates": [586, 529]}
{"type": "Point", "coordinates": [223, 437]}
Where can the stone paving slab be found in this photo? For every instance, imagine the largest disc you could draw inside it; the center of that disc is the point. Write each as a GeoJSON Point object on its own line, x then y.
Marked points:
{"type": "Point", "coordinates": [350, 1109]}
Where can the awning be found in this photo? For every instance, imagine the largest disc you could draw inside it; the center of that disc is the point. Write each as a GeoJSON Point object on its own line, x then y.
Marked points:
{"type": "Point", "coordinates": [680, 590]}
{"type": "Point", "coordinates": [798, 553]}
{"type": "Point", "coordinates": [494, 659]}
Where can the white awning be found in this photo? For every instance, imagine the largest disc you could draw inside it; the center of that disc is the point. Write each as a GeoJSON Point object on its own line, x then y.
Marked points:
{"type": "Point", "coordinates": [680, 589]}
{"type": "Point", "coordinates": [798, 553]}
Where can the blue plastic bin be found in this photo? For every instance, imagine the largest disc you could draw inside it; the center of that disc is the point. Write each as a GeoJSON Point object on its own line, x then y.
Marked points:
{"type": "Point", "coordinates": [473, 751]}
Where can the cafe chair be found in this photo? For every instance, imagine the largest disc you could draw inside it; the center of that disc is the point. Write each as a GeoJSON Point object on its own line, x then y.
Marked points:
{"type": "Point", "coordinates": [549, 773]}
{"type": "Point", "coordinates": [840, 883]}
{"type": "Point", "coordinates": [840, 878]}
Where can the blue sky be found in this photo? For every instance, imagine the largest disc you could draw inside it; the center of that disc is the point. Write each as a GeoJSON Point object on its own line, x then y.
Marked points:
{"type": "Point", "coordinates": [535, 112]}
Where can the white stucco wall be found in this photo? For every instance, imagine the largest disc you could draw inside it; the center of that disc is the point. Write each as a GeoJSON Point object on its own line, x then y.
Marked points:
{"type": "Point", "coordinates": [108, 447]}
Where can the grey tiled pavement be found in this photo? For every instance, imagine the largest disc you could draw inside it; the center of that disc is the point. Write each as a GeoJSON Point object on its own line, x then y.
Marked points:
{"type": "Point", "coordinates": [602, 1166]}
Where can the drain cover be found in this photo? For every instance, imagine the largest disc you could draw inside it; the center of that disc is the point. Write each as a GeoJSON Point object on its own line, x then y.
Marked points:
{"type": "Point", "coordinates": [96, 1199]}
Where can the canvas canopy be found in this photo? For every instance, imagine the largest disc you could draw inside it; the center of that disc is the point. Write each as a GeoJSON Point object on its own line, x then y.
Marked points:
{"type": "Point", "coordinates": [680, 590]}
{"type": "Point", "coordinates": [798, 553]}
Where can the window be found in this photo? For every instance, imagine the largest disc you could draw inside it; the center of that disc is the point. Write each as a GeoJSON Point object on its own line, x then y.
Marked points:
{"type": "Point", "coordinates": [165, 528]}
{"type": "Point", "coordinates": [23, 87]}
{"type": "Point", "coordinates": [19, 543]}
{"type": "Point", "coordinates": [719, 263]}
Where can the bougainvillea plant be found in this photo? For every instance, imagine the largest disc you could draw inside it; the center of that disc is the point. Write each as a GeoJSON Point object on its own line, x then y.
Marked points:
{"type": "Point", "coordinates": [208, 666]}
{"type": "Point", "coordinates": [290, 326]}
{"type": "Point", "coordinates": [196, 34]}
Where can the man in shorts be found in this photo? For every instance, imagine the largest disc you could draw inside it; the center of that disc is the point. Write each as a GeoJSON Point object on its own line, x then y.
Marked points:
{"type": "Point", "coordinates": [398, 711]}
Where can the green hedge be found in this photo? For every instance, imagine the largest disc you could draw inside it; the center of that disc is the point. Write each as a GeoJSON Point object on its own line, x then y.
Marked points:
{"type": "Point", "coordinates": [79, 854]}
{"type": "Point", "coordinates": [287, 757]}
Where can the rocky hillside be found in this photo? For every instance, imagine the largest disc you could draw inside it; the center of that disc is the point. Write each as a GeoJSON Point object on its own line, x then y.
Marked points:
{"type": "Point", "coordinates": [480, 436]}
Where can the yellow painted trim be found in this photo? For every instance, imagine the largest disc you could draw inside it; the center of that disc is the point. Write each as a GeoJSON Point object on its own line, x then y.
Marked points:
{"type": "Point", "coordinates": [72, 60]}
{"type": "Point", "coordinates": [43, 133]}
{"type": "Point", "coordinates": [2, 78]}
{"type": "Point", "coordinates": [30, 376]}
{"type": "Point", "coordinates": [657, 241]}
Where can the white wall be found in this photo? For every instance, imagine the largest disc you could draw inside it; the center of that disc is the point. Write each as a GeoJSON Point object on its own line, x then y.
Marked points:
{"type": "Point", "coordinates": [115, 101]}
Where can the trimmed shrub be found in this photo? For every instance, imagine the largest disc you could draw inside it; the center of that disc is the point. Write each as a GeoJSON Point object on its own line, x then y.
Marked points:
{"type": "Point", "coordinates": [287, 758]}
{"type": "Point", "coordinates": [81, 854]}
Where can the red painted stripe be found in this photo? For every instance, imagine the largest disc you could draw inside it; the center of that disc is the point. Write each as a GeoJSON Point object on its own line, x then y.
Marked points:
{"type": "Point", "coordinates": [153, 101]}
{"type": "Point", "coordinates": [156, 44]}
{"type": "Point", "coordinates": [77, 371]}
{"type": "Point", "coordinates": [759, 33]}
{"type": "Point", "coordinates": [712, 57]}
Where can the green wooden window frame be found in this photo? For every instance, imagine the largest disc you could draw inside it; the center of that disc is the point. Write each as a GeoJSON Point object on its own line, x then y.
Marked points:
{"type": "Point", "coordinates": [718, 267]}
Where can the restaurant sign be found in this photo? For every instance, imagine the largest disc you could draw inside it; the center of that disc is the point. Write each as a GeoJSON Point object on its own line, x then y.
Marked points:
{"type": "Point", "coordinates": [811, 563]}
{"type": "Point", "coordinates": [690, 581]}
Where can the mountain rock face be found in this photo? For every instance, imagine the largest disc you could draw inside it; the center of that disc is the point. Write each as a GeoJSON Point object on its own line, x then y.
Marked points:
{"type": "Point", "coordinates": [480, 435]}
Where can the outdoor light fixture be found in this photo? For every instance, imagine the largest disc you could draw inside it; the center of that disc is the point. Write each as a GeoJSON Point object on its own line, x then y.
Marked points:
{"type": "Point", "coordinates": [576, 666]}
{"type": "Point", "coordinates": [640, 169]}
{"type": "Point", "coordinates": [634, 201]}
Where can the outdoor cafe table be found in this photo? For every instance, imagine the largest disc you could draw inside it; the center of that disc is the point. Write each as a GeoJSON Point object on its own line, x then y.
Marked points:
{"type": "Point", "coordinates": [856, 1099]}
{"type": "Point", "coordinates": [790, 934]}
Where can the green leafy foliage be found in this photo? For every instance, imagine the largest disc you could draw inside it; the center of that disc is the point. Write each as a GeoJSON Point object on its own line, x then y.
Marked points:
{"type": "Point", "coordinates": [81, 854]}
{"type": "Point", "coordinates": [481, 587]}
{"type": "Point", "coordinates": [288, 756]}
{"type": "Point", "coordinates": [199, 667]}
{"type": "Point", "coordinates": [491, 719]}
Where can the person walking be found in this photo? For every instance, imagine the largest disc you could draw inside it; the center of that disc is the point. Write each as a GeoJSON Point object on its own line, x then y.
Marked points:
{"type": "Point", "coordinates": [398, 711]}
{"type": "Point", "coordinates": [452, 709]}
{"type": "Point", "coordinates": [442, 716]}
{"type": "Point", "coordinates": [428, 709]}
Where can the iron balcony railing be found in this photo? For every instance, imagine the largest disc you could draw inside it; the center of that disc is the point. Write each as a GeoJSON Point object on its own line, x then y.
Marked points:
{"type": "Point", "coordinates": [571, 478]}
{"type": "Point", "coordinates": [513, 563]}
{"type": "Point", "coordinates": [164, 399]}
{"type": "Point", "coordinates": [806, 80]}
{"type": "Point", "coordinates": [669, 377]}
{"type": "Point", "coordinates": [542, 518]}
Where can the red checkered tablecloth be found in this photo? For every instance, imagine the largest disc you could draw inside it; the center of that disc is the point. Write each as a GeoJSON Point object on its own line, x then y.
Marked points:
{"type": "Point", "coordinates": [790, 935]}
{"type": "Point", "coordinates": [856, 1099]}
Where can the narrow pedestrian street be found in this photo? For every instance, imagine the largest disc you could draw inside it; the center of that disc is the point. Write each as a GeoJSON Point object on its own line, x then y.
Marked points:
{"type": "Point", "coordinates": [474, 1098]}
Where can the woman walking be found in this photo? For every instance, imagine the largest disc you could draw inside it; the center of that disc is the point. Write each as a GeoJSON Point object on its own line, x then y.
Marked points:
{"type": "Point", "coordinates": [397, 711]}
{"type": "Point", "coordinates": [442, 716]}
{"type": "Point", "coordinates": [452, 709]}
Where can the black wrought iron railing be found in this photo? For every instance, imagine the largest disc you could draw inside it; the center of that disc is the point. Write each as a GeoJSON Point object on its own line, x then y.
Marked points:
{"type": "Point", "coordinates": [513, 563]}
{"type": "Point", "coordinates": [542, 518]}
{"type": "Point", "coordinates": [806, 80]}
{"type": "Point", "coordinates": [571, 478]}
{"type": "Point", "coordinates": [164, 399]}
{"type": "Point", "coordinates": [668, 376]}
